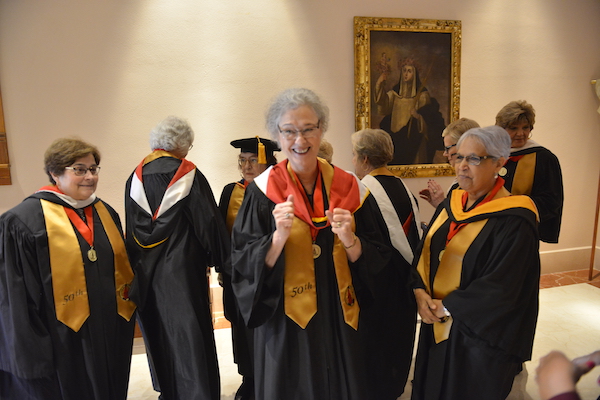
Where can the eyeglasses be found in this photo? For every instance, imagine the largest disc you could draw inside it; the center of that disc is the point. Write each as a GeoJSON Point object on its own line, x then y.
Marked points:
{"type": "Point", "coordinates": [472, 160]}
{"type": "Point", "coordinates": [243, 161]}
{"type": "Point", "coordinates": [81, 171]}
{"type": "Point", "coordinates": [447, 148]}
{"type": "Point", "coordinates": [307, 133]}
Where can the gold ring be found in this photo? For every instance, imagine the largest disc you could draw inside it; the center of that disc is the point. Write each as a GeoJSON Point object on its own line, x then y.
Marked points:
{"type": "Point", "coordinates": [339, 224]}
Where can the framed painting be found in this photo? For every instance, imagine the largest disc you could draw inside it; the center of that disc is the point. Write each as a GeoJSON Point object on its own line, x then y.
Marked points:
{"type": "Point", "coordinates": [407, 82]}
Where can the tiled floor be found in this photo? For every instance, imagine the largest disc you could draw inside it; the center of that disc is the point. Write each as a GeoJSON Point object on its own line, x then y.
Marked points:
{"type": "Point", "coordinates": [569, 278]}
{"type": "Point", "coordinates": [568, 321]}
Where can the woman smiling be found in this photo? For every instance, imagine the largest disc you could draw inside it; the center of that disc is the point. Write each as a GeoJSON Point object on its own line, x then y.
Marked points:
{"type": "Point", "coordinates": [66, 329]}
{"type": "Point", "coordinates": [304, 243]}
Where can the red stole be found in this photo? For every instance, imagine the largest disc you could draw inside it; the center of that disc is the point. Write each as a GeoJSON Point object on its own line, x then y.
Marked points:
{"type": "Point", "coordinates": [178, 188]}
{"type": "Point", "coordinates": [343, 191]}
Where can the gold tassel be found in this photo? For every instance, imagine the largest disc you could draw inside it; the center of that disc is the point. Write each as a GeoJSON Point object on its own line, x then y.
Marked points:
{"type": "Point", "coordinates": [262, 157]}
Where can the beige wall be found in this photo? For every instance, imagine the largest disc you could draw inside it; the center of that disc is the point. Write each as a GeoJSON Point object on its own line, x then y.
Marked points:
{"type": "Point", "coordinates": [108, 71]}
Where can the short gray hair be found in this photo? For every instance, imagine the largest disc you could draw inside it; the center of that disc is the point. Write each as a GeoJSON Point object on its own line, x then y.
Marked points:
{"type": "Point", "coordinates": [172, 134]}
{"type": "Point", "coordinates": [374, 144]}
{"type": "Point", "coordinates": [291, 99]}
{"type": "Point", "coordinates": [494, 139]}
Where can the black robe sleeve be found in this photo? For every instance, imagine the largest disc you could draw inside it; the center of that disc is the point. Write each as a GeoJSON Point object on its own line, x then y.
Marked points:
{"type": "Point", "coordinates": [256, 287]}
{"type": "Point", "coordinates": [209, 227]}
{"type": "Point", "coordinates": [547, 194]}
{"type": "Point", "coordinates": [498, 295]}
{"type": "Point", "coordinates": [25, 345]}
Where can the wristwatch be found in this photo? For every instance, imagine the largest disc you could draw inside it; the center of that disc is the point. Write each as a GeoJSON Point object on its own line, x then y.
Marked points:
{"type": "Point", "coordinates": [446, 316]}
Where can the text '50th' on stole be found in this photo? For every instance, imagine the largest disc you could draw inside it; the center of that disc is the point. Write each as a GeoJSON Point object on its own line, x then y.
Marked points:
{"type": "Point", "coordinates": [342, 190]}
{"type": "Point", "coordinates": [68, 275]}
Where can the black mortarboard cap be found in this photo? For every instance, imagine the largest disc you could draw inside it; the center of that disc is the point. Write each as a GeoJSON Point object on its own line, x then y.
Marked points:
{"type": "Point", "coordinates": [257, 145]}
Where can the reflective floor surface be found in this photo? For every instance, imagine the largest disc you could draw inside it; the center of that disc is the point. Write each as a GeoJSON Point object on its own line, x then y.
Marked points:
{"type": "Point", "coordinates": [569, 320]}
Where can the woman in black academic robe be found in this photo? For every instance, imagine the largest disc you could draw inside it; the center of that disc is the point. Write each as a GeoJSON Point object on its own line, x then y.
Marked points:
{"type": "Point", "coordinates": [390, 321]}
{"type": "Point", "coordinates": [434, 194]}
{"type": "Point", "coordinates": [304, 242]}
{"type": "Point", "coordinates": [478, 285]}
{"type": "Point", "coordinates": [174, 234]}
{"type": "Point", "coordinates": [66, 327]}
{"type": "Point", "coordinates": [532, 169]}
{"type": "Point", "coordinates": [256, 154]}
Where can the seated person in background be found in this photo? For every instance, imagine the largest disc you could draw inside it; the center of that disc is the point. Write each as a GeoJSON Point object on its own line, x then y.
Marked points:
{"type": "Point", "coordinates": [434, 194]}
{"type": "Point", "coordinates": [557, 375]}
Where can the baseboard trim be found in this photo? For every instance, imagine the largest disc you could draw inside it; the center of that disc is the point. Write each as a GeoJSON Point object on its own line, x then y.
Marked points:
{"type": "Point", "coordinates": [573, 259]}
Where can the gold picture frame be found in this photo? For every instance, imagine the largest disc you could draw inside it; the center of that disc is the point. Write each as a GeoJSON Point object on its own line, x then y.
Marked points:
{"type": "Point", "coordinates": [416, 109]}
{"type": "Point", "coordinates": [4, 163]}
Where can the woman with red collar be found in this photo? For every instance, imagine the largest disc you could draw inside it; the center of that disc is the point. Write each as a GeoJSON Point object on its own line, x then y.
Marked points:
{"type": "Point", "coordinates": [66, 326]}
{"type": "Point", "coordinates": [304, 246]}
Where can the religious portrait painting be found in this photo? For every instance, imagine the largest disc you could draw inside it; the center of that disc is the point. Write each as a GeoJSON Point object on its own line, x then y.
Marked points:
{"type": "Point", "coordinates": [407, 82]}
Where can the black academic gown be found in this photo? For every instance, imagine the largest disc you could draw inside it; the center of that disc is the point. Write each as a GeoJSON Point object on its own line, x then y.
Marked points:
{"type": "Point", "coordinates": [226, 197]}
{"type": "Point", "coordinates": [494, 311]}
{"type": "Point", "coordinates": [326, 360]}
{"type": "Point", "coordinates": [546, 191]}
{"type": "Point", "coordinates": [171, 285]}
{"type": "Point", "coordinates": [390, 322]}
{"type": "Point", "coordinates": [40, 357]}
{"type": "Point", "coordinates": [242, 336]}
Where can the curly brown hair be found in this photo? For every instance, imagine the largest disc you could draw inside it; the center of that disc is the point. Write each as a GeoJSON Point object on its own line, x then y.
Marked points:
{"type": "Point", "coordinates": [64, 152]}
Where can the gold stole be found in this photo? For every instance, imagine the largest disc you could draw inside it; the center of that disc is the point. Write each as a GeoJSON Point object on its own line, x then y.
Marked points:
{"type": "Point", "coordinates": [157, 154]}
{"type": "Point", "coordinates": [524, 174]}
{"type": "Point", "coordinates": [67, 266]}
{"type": "Point", "coordinates": [300, 290]}
{"type": "Point", "coordinates": [447, 278]}
{"type": "Point", "coordinates": [235, 202]}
